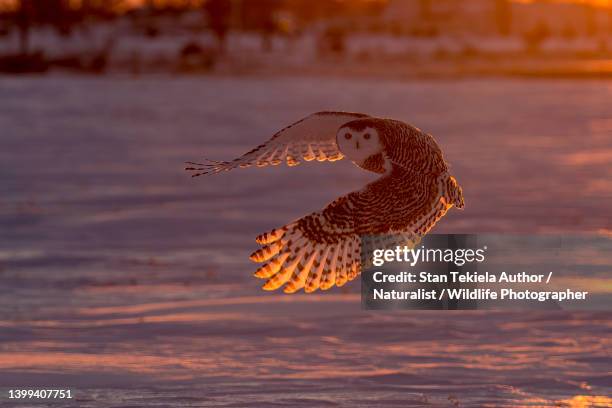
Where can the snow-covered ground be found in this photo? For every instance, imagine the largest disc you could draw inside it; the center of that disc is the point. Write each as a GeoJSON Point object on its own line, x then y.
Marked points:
{"type": "Point", "coordinates": [128, 282]}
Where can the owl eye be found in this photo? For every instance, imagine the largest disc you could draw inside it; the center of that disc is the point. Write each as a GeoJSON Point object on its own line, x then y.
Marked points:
{"type": "Point", "coordinates": [348, 136]}
{"type": "Point", "coordinates": [366, 136]}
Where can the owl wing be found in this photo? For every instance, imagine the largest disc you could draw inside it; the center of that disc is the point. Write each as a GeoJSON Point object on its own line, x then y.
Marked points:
{"type": "Point", "coordinates": [313, 137]}
{"type": "Point", "coordinates": [331, 246]}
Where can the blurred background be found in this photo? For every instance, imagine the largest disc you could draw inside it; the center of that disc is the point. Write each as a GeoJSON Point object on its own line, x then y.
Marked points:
{"type": "Point", "coordinates": [385, 37]}
{"type": "Point", "coordinates": [128, 282]}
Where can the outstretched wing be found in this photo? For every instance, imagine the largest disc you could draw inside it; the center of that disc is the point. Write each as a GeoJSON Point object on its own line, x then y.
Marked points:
{"type": "Point", "coordinates": [316, 251]}
{"type": "Point", "coordinates": [313, 137]}
{"type": "Point", "coordinates": [324, 249]}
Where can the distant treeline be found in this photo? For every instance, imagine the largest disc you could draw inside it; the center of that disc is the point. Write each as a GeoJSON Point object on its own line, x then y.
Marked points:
{"type": "Point", "coordinates": [218, 15]}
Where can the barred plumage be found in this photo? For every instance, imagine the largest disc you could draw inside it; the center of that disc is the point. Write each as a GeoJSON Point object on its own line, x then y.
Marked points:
{"type": "Point", "coordinates": [328, 247]}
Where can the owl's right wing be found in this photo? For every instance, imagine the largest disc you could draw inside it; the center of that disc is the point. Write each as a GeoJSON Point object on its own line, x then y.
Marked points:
{"type": "Point", "coordinates": [329, 247]}
{"type": "Point", "coordinates": [313, 137]}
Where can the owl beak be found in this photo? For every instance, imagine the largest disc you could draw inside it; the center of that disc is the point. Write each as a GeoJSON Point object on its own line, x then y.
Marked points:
{"type": "Point", "coordinates": [357, 144]}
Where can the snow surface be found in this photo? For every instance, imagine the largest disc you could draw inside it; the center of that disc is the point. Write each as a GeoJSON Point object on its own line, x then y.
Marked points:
{"type": "Point", "coordinates": [129, 282]}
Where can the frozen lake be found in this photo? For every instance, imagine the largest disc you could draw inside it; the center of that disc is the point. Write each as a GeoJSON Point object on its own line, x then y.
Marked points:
{"type": "Point", "coordinates": [128, 282]}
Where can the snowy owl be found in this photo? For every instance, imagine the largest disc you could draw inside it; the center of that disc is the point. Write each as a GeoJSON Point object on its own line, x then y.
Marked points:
{"type": "Point", "coordinates": [324, 248]}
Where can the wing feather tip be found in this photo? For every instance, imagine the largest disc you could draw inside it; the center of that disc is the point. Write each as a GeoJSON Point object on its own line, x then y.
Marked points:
{"type": "Point", "coordinates": [268, 288]}
{"type": "Point", "coordinates": [326, 285]}
{"type": "Point", "coordinates": [290, 289]}
{"type": "Point", "coordinates": [270, 237]}
{"type": "Point", "coordinates": [267, 252]}
{"type": "Point", "coordinates": [273, 283]}
{"type": "Point", "coordinates": [262, 273]}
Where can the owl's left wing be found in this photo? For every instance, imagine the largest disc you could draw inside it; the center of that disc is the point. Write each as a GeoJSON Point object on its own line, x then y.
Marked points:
{"type": "Point", "coordinates": [324, 249]}
{"type": "Point", "coordinates": [313, 137]}
{"type": "Point", "coordinates": [316, 251]}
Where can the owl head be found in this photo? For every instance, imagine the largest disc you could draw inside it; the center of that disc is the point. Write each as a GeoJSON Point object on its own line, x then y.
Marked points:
{"type": "Point", "coordinates": [377, 145]}
{"type": "Point", "coordinates": [359, 140]}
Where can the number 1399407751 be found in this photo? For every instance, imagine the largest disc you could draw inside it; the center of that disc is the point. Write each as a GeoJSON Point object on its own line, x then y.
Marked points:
{"type": "Point", "coordinates": [39, 394]}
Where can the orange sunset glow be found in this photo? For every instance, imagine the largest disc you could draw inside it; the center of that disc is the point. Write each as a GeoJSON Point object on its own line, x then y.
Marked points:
{"type": "Point", "coordinates": [306, 203]}
{"type": "Point", "coordinates": [127, 4]}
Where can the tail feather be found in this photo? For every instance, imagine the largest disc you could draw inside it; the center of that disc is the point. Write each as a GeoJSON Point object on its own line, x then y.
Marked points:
{"type": "Point", "coordinates": [455, 193]}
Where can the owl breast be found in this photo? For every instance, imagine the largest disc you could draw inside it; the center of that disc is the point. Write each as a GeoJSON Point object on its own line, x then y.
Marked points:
{"type": "Point", "coordinates": [377, 163]}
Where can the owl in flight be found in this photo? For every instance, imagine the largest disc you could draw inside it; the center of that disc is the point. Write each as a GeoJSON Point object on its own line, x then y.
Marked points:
{"type": "Point", "coordinates": [324, 248]}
